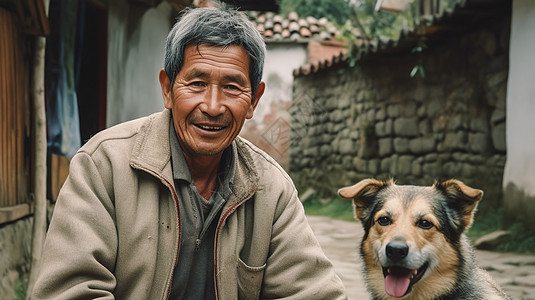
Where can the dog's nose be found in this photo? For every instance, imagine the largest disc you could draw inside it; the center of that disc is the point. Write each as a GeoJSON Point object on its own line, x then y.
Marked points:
{"type": "Point", "coordinates": [397, 250]}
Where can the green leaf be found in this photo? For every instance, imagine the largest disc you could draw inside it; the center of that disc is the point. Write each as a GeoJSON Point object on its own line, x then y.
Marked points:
{"type": "Point", "coordinates": [414, 71]}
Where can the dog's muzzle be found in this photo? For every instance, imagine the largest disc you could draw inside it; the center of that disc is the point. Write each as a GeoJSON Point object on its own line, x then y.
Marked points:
{"type": "Point", "coordinates": [399, 278]}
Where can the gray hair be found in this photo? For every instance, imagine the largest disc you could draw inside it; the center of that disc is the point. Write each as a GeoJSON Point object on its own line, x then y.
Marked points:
{"type": "Point", "coordinates": [217, 27]}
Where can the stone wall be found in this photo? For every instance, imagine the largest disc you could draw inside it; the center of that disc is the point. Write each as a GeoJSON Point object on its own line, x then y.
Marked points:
{"type": "Point", "coordinates": [374, 120]}
{"type": "Point", "coordinates": [15, 255]}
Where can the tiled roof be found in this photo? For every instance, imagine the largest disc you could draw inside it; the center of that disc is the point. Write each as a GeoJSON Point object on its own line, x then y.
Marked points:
{"type": "Point", "coordinates": [317, 66]}
{"type": "Point", "coordinates": [276, 28]}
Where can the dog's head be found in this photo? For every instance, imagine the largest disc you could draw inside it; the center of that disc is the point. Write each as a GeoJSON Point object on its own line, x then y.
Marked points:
{"type": "Point", "coordinates": [412, 234]}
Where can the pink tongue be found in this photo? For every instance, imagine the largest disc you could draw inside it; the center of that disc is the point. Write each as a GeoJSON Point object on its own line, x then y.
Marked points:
{"type": "Point", "coordinates": [397, 284]}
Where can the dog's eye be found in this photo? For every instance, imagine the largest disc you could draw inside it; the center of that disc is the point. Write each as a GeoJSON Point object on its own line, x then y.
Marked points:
{"type": "Point", "coordinates": [384, 221]}
{"type": "Point", "coordinates": [424, 224]}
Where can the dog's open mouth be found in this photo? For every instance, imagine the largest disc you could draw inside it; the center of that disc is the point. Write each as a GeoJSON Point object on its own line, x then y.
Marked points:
{"type": "Point", "coordinates": [399, 281]}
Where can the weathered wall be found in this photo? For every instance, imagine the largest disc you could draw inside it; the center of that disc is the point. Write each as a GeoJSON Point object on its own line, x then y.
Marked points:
{"type": "Point", "coordinates": [269, 128]}
{"type": "Point", "coordinates": [136, 48]}
{"type": "Point", "coordinates": [519, 177]}
{"type": "Point", "coordinates": [15, 255]}
{"type": "Point", "coordinates": [374, 120]}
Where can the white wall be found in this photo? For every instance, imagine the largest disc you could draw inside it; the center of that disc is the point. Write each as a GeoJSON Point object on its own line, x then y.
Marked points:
{"type": "Point", "coordinates": [136, 38]}
{"type": "Point", "coordinates": [520, 135]}
{"type": "Point", "coordinates": [519, 174]}
{"type": "Point", "coordinates": [281, 60]}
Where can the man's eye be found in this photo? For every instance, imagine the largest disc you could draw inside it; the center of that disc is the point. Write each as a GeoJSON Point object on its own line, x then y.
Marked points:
{"type": "Point", "coordinates": [231, 87]}
{"type": "Point", "coordinates": [197, 84]}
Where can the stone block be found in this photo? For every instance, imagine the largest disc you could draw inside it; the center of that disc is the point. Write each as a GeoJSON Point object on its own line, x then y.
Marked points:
{"type": "Point", "coordinates": [392, 111]}
{"type": "Point", "coordinates": [420, 93]}
{"type": "Point", "coordinates": [455, 141]}
{"type": "Point", "coordinates": [498, 137]}
{"type": "Point", "coordinates": [380, 130]}
{"type": "Point", "coordinates": [422, 145]}
{"type": "Point", "coordinates": [424, 127]}
{"type": "Point", "coordinates": [373, 166]}
{"type": "Point", "coordinates": [455, 122]}
{"type": "Point", "coordinates": [498, 116]}
{"type": "Point", "coordinates": [360, 164]}
{"type": "Point", "coordinates": [389, 127]}
{"type": "Point", "coordinates": [385, 147]}
{"type": "Point", "coordinates": [416, 168]}
{"type": "Point", "coordinates": [380, 114]}
{"type": "Point", "coordinates": [401, 145]}
{"type": "Point", "coordinates": [347, 146]}
{"type": "Point", "coordinates": [370, 115]}
{"type": "Point", "coordinates": [385, 165]}
{"type": "Point", "coordinates": [408, 110]}
{"type": "Point", "coordinates": [468, 170]}
{"type": "Point", "coordinates": [434, 107]}
{"type": "Point", "coordinates": [479, 124]}
{"type": "Point", "coordinates": [421, 111]}
{"type": "Point", "coordinates": [479, 143]}
{"type": "Point", "coordinates": [492, 240]}
{"type": "Point", "coordinates": [406, 127]}
{"type": "Point", "coordinates": [405, 165]}
{"type": "Point", "coordinates": [394, 162]}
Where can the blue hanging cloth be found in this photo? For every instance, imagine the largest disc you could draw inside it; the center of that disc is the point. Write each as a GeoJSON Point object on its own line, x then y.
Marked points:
{"type": "Point", "coordinates": [63, 121]}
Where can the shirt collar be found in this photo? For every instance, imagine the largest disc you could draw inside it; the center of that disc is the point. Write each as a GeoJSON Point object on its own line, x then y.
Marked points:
{"type": "Point", "coordinates": [227, 165]}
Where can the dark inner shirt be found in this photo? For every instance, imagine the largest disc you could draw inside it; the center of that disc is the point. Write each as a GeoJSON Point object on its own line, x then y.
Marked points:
{"type": "Point", "coordinates": [193, 277]}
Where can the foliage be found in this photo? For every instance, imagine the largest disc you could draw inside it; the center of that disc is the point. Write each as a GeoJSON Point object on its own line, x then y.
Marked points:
{"type": "Point", "coordinates": [20, 290]}
{"type": "Point", "coordinates": [336, 208]}
{"type": "Point", "coordinates": [375, 26]}
{"type": "Point", "coordinates": [334, 10]}
{"type": "Point", "coordinates": [522, 240]}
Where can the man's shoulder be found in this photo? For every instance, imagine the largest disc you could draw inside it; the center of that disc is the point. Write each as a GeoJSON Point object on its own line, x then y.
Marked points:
{"type": "Point", "coordinates": [265, 166]}
{"type": "Point", "coordinates": [119, 134]}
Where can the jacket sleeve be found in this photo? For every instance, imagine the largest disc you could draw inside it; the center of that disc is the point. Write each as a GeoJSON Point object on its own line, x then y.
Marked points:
{"type": "Point", "coordinates": [297, 267]}
{"type": "Point", "coordinates": [81, 244]}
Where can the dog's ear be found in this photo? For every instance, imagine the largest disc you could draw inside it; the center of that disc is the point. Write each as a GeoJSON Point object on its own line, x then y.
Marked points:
{"type": "Point", "coordinates": [462, 199]}
{"type": "Point", "coordinates": [363, 194]}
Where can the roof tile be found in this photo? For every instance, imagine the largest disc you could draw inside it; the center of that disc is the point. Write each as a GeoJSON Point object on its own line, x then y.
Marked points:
{"type": "Point", "coordinates": [277, 28]}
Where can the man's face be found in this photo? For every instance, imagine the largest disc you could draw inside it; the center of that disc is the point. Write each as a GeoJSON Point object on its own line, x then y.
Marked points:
{"type": "Point", "coordinates": [211, 97]}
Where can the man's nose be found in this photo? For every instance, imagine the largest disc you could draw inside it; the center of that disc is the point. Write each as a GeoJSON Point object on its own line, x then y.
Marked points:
{"type": "Point", "coordinates": [213, 101]}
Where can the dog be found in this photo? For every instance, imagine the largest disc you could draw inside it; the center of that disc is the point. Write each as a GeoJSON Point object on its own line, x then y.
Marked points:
{"type": "Point", "coordinates": [414, 244]}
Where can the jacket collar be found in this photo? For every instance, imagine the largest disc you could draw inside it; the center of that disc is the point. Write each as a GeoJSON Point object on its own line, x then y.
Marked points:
{"type": "Point", "coordinates": [152, 153]}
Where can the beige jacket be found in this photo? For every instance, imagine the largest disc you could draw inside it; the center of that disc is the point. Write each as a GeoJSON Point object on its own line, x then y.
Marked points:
{"type": "Point", "coordinates": [115, 230]}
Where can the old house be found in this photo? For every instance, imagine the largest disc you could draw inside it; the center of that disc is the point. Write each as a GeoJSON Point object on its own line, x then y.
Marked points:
{"type": "Point", "coordinates": [467, 118]}
{"type": "Point", "coordinates": [291, 42]}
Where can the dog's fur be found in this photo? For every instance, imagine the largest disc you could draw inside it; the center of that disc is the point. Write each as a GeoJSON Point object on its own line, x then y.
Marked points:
{"type": "Point", "coordinates": [414, 245]}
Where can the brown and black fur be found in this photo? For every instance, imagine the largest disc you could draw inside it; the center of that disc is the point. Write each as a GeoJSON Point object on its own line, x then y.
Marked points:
{"type": "Point", "coordinates": [420, 232]}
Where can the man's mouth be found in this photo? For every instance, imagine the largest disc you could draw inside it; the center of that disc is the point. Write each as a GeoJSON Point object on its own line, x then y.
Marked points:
{"type": "Point", "coordinates": [399, 280]}
{"type": "Point", "coordinates": [210, 128]}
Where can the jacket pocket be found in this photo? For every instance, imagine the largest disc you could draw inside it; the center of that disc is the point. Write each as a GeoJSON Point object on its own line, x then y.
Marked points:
{"type": "Point", "coordinates": [249, 280]}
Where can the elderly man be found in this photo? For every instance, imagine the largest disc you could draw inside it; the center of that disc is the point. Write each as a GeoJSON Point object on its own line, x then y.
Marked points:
{"type": "Point", "coordinates": [176, 205]}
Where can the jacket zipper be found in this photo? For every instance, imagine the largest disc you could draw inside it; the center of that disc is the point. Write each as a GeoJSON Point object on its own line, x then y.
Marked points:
{"type": "Point", "coordinates": [179, 229]}
{"type": "Point", "coordinates": [216, 238]}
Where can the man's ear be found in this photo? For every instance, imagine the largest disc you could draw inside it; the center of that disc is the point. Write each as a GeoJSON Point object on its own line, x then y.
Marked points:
{"type": "Point", "coordinates": [363, 194]}
{"type": "Point", "coordinates": [165, 84]}
{"type": "Point", "coordinates": [256, 98]}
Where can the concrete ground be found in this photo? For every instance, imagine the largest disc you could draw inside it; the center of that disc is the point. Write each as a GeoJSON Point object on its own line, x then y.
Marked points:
{"type": "Point", "coordinates": [340, 240]}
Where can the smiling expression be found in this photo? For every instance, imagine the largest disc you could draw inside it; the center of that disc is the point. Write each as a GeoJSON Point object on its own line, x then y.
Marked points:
{"type": "Point", "coordinates": [211, 97]}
